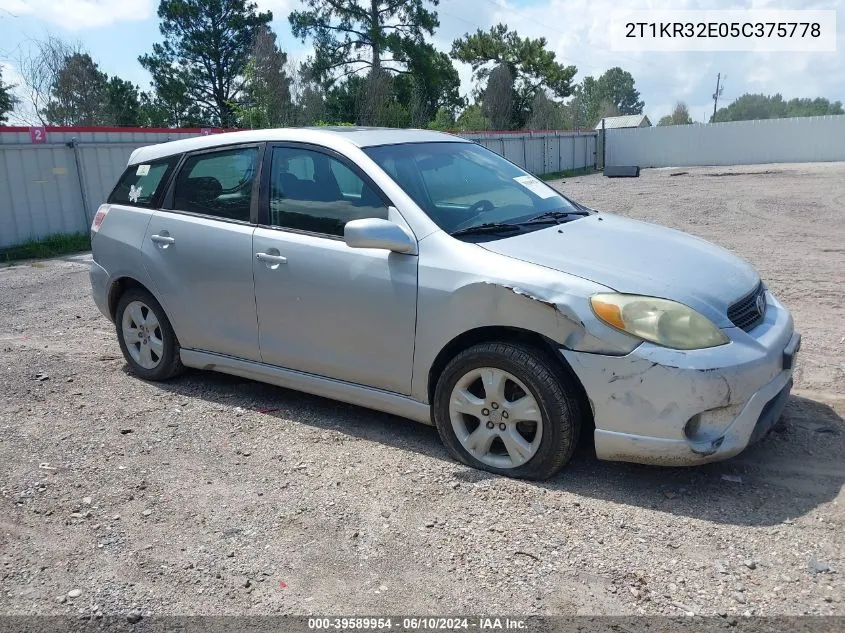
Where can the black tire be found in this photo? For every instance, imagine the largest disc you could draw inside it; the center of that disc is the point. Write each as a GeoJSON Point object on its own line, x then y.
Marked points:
{"type": "Point", "coordinates": [169, 364]}
{"type": "Point", "coordinates": [558, 404]}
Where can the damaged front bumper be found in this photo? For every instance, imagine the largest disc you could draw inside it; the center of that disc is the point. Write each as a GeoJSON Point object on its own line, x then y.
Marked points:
{"type": "Point", "coordinates": [678, 408]}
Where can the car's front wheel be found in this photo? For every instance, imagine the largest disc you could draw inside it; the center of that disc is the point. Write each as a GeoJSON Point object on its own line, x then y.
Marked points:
{"type": "Point", "coordinates": [146, 336]}
{"type": "Point", "coordinates": [502, 407]}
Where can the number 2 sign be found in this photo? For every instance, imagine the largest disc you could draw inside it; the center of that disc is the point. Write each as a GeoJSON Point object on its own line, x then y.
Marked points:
{"type": "Point", "coordinates": [38, 134]}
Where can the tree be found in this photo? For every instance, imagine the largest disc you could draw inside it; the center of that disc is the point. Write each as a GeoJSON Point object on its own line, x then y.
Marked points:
{"type": "Point", "coordinates": [612, 94]}
{"type": "Point", "coordinates": [267, 99]}
{"type": "Point", "coordinates": [311, 107]}
{"type": "Point", "coordinates": [432, 82]}
{"type": "Point", "coordinates": [680, 116]}
{"type": "Point", "coordinates": [206, 48]}
{"type": "Point", "coordinates": [39, 65]}
{"type": "Point", "coordinates": [545, 113]}
{"type": "Point", "coordinates": [498, 99]}
{"type": "Point", "coordinates": [530, 64]}
{"type": "Point", "coordinates": [362, 35]}
{"type": "Point", "coordinates": [78, 96]}
{"type": "Point", "coordinates": [813, 107]}
{"type": "Point", "coordinates": [759, 106]}
{"type": "Point", "coordinates": [444, 120]}
{"type": "Point", "coordinates": [123, 103]}
{"type": "Point", "coordinates": [341, 99]}
{"type": "Point", "coordinates": [169, 105]}
{"type": "Point", "coordinates": [7, 99]}
{"type": "Point", "coordinates": [616, 87]}
{"type": "Point", "coordinates": [472, 119]}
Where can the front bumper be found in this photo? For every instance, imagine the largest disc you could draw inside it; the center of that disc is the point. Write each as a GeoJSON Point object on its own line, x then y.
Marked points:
{"type": "Point", "coordinates": [679, 408]}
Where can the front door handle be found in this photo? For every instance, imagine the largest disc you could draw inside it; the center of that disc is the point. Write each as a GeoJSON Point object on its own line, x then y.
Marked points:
{"type": "Point", "coordinates": [270, 258]}
{"type": "Point", "coordinates": [162, 239]}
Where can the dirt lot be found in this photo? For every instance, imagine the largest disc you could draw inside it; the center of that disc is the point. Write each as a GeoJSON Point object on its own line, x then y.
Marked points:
{"type": "Point", "coordinates": [212, 494]}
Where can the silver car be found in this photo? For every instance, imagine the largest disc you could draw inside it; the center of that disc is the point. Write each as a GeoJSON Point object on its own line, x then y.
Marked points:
{"type": "Point", "coordinates": [420, 274]}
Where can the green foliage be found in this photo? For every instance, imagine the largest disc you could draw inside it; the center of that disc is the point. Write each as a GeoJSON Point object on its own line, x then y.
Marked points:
{"type": "Point", "coordinates": [78, 96]}
{"type": "Point", "coordinates": [431, 82]}
{"type": "Point", "coordinates": [200, 65]}
{"type": "Point", "coordinates": [7, 99]}
{"type": "Point", "coordinates": [680, 116]}
{"type": "Point", "coordinates": [444, 120]}
{"type": "Point", "coordinates": [341, 99]}
{"type": "Point", "coordinates": [567, 173]}
{"type": "Point", "coordinates": [498, 101]}
{"type": "Point", "coordinates": [612, 94]}
{"type": "Point", "coordinates": [354, 36]}
{"type": "Point", "coordinates": [267, 99]}
{"type": "Point", "coordinates": [472, 119]}
{"type": "Point", "coordinates": [123, 103]}
{"type": "Point", "coordinates": [546, 114]}
{"type": "Point", "coordinates": [50, 246]}
{"type": "Point", "coordinates": [759, 106]}
{"type": "Point", "coordinates": [169, 105]}
{"type": "Point", "coordinates": [530, 64]}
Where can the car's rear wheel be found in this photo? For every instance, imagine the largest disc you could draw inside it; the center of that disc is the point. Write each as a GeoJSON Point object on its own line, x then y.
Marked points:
{"type": "Point", "coordinates": [146, 336]}
{"type": "Point", "coordinates": [503, 407]}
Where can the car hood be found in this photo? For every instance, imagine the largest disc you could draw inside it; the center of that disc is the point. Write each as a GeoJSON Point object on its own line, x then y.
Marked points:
{"type": "Point", "coordinates": [638, 258]}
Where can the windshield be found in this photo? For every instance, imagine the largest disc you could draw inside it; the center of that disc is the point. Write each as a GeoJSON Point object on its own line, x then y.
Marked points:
{"type": "Point", "coordinates": [464, 185]}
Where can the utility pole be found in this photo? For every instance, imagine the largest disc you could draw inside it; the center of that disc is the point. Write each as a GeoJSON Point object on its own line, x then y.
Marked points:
{"type": "Point", "coordinates": [716, 95]}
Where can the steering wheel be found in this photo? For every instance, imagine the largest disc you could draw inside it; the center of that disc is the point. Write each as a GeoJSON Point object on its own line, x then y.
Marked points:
{"type": "Point", "coordinates": [476, 209]}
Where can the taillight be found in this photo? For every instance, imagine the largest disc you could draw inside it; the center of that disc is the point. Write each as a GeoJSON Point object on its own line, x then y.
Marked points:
{"type": "Point", "coordinates": [99, 217]}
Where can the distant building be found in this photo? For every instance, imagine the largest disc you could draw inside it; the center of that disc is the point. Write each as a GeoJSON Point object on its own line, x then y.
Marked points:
{"type": "Point", "coordinates": [629, 120]}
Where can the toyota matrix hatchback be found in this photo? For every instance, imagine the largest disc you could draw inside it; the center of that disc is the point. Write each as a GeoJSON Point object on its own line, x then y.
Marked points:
{"type": "Point", "coordinates": [420, 274]}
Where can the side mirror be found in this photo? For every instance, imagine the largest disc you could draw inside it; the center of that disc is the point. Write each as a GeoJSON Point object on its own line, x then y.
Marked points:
{"type": "Point", "coordinates": [378, 233]}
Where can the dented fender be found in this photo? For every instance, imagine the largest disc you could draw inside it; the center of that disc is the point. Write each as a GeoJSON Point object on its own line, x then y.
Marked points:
{"type": "Point", "coordinates": [493, 290]}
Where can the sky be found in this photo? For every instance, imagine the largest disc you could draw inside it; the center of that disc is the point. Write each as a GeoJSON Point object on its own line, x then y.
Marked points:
{"type": "Point", "coordinates": [116, 32]}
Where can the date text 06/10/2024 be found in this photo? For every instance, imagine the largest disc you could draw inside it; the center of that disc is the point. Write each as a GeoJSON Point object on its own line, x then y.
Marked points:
{"type": "Point", "coordinates": [414, 624]}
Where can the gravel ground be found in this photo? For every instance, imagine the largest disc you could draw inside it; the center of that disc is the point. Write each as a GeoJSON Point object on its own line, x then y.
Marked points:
{"type": "Point", "coordinates": [211, 494]}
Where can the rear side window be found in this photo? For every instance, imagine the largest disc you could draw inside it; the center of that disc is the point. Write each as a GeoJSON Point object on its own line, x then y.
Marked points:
{"type": "Point", "coordinates": [142, 185]}
{"type": "Point", "coordinates": [217, 183]}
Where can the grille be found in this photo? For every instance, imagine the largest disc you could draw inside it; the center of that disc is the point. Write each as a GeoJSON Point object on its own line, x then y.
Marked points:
{"type": "Point", "coordinates": [744, 313]}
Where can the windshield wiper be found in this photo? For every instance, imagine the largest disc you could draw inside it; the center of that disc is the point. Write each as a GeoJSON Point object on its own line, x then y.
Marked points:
{"type": "Point", "coordinates": [487, 227]}
{"type": "Point", "coordinates": [553, 216]}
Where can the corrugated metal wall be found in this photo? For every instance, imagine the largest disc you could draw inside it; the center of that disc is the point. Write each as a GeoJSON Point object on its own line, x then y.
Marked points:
{"type": "Point", "coordinates": [796, 140]}
{"type": "Point", "coordinates": [541, 152]}
{"type": "Point", "coordinates": [42, 191]}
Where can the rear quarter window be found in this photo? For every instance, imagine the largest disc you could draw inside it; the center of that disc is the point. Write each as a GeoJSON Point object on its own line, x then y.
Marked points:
{"type": "Point", "coordinates": [142, 185]}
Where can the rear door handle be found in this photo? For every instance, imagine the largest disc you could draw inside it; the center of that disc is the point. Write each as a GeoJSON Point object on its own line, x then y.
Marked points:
{"type": "Point", "coordinates": [271, 259]}
{"type": "Point", "coordinates": [162, 239]}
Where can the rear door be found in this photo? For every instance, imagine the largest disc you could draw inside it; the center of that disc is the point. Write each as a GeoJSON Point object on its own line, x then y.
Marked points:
{"type": "Point", "coordinates": [198, 251]}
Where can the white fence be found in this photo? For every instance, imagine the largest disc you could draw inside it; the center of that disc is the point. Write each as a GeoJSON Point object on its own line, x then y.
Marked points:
{"type": "Point", "coordinates": [796, 140]}
{"type": "Point", "coordinates": [52, 180]}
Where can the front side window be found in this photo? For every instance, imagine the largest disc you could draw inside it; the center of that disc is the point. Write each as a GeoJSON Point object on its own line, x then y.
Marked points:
{"type": "Point", "coordinates": [217, 183]}
{"type": "Point", "coordinates": [463, 185]}
{"type": "Point", "coordinates": [314, 192]}
{"type": "Point", "coordinates": [142, 185]}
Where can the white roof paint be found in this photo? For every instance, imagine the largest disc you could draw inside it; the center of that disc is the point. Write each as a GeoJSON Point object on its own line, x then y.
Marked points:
{"type": "Point", "coordinates": [628, 120]}
{"type": "Point", "coordinates": [333, 137]}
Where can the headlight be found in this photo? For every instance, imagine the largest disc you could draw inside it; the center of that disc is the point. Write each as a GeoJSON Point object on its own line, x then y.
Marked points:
{"type": "Point", "coordinates": [660, 321]}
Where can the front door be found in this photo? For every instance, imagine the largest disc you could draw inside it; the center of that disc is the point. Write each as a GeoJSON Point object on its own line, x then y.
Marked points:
{"type": "Point", "coordinates": [199, 253]}
{"type": "Point", "coordinates": [325, 308]}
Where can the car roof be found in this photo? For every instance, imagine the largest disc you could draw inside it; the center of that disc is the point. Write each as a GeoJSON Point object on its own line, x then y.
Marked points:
{"type": "Point", "coordinates": [333, 137]}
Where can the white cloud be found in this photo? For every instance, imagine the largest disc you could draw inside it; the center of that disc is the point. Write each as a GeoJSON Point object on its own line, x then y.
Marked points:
{"type": "Point", "coordinates": [80, 15]}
